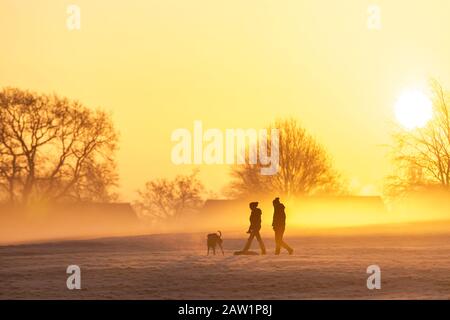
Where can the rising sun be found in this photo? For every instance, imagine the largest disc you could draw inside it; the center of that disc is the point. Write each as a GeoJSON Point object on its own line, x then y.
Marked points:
{"type": "Point", "coordinates": [413, 109]}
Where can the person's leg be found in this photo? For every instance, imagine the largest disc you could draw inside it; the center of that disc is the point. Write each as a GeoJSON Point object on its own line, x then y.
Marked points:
{"type": "Point", "coordinates": [284, 244]}
{"type": "Point", "coordinates": [261, 243]}
{"type": "Point", "coordinates": [249, 242]}
{"type": "Point", "coordinates": [277, 242]}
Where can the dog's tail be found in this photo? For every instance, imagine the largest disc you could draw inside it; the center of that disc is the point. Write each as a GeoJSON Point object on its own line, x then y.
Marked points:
{"type": "Point", "coordinates": [219, 233]}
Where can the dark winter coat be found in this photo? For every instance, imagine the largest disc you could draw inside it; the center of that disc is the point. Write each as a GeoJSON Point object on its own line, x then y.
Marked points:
{"type": "Point", "coordinates": [279, 217]}
{"type": "Point", "coordinates": [255, 220]}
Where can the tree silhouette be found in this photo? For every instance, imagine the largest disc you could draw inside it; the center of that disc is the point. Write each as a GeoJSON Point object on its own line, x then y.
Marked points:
{"type": "Point", "coordinates": [164, 199]}
{"type": "Point", "coordinates": [304, 167]}
{"type": "Point", "coordinates": [422, 155]}
{"type": "Point", "coordinates": [53, 149]}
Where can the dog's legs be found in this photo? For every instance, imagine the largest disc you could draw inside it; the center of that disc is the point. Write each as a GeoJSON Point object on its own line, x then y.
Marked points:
{"type": "Point", "coordinates": [220, 245]}
{"type": "Point", "coordinates": [208, 251]}
{"type": "Point", "coordinates": [214, 250]}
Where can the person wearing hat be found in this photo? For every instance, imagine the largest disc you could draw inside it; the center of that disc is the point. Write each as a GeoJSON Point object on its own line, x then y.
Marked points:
{"type": "Point", "coordinates": [279, 225]}
{"type": "Point", "coordinates": [255, 226]}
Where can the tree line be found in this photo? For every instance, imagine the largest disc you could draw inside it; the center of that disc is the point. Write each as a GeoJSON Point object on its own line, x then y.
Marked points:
{"type": "Point", "coordinates": [55, 149]}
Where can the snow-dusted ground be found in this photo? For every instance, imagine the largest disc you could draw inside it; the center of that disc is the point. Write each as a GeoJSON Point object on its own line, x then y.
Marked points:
{"type": "Point", "coordinates": [176, 267]}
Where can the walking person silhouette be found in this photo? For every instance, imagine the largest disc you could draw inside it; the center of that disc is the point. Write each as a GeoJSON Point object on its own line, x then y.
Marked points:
{"type": "Point", "coordinates": [279, 225]}
{"type": "Point", "coordinates": [255, 226]}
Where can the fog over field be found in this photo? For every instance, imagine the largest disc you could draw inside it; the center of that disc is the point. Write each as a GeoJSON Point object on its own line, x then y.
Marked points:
{"type": "Point", "coordinates": [176, 267]}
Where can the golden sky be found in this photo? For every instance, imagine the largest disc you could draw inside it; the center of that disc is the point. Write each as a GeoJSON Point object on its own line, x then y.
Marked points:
{"type": "Point", "coordinates": [160, 65]}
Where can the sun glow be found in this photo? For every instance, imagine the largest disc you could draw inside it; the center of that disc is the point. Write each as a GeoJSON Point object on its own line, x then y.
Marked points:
{"type": "Point", "coordinates": [413, 109]}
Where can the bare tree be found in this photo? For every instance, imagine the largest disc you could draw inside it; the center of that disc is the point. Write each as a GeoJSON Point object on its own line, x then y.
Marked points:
{"type": "Point", "coordinates": [54, 149]}
{"type": "Point", "coordinates": [165, 199]}
{"type": "Point", "coordinates": [422, 155]}
{"type": "Point", "coordinates": [304, 167]}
